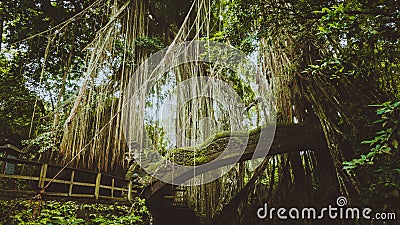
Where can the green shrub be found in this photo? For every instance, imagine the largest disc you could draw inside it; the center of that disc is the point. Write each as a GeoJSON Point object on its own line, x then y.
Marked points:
{"type": "Point", "coordinates": [56, 212]}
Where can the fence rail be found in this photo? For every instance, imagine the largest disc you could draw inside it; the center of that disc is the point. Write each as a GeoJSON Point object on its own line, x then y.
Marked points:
{"type": "Point", "coordinates": [27, 177]}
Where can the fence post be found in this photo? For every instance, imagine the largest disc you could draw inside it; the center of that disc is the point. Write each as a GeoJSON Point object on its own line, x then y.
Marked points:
{"type": "Point", "coordinates": [71, 183]}
{"type": "Point", "coordinates": [112, 188]}
{"type": "Point", "coordinates": [42, 177]}
{"type": "Point", "coordinates": [130, 190]}
{"type": "Point", "coordinates": [97, 187]}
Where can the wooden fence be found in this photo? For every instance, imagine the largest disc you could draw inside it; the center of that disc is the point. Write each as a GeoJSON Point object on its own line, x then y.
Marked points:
{"type": "Point", "coordinates": [29, 177]}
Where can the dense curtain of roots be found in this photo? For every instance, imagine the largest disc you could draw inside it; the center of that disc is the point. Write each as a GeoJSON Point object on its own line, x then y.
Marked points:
{"type": "Point", "coordinates": [294, 179]}
{"type": "Point", "coordinates": [235, 197]}
{"type": "Point", "coordinates": [93, 129]}
{"type": "Point", "coordinates": [248, 185]}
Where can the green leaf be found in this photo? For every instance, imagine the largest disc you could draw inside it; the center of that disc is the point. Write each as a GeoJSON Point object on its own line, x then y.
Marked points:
{"type": "Point", "coordinates": [348, 167]}
{"type": "Point", "coordinates": [395, 144]}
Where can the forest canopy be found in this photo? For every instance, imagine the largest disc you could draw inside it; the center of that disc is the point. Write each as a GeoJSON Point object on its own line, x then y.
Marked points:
{"type": "Point", "coordinates": [64, 66]}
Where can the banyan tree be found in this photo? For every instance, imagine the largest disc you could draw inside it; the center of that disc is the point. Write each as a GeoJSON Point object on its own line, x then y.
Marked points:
{"type": "Point", "coordinates": [314, 58]}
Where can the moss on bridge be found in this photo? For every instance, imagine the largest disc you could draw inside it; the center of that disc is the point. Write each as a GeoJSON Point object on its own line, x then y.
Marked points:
{"type": "Point", "coordinates": [298, 136]}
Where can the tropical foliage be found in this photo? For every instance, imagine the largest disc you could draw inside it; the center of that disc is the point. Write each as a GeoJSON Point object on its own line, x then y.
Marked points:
{"type": "Point", "coordinates": [64, 66]}
{"type": "Point", "coordinates": [55, 212]}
